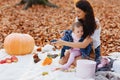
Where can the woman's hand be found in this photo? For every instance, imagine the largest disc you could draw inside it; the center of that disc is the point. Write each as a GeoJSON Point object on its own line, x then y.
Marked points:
{"type": "Point", "coordinates": [59, 42]}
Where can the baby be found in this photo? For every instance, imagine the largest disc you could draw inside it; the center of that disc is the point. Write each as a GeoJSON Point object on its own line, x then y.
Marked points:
{"type": "Point", "coordinates": [74, 35]}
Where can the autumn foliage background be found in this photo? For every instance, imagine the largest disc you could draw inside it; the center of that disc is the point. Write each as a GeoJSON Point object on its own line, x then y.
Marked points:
{"type": "Point", "coordinates": [44, 23]}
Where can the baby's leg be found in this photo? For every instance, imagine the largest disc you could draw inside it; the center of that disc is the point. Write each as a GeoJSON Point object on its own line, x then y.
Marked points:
{"type": "Point", "coordinates": [64, 59]}
{"type": "Point", "coordinates": [71, 59]}
{"type": "Point", "coordinates": [76, 58]}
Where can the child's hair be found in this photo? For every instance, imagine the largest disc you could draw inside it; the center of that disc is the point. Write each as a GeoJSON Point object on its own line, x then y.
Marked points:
{"type": "Point", "coordinates": [76, 24]}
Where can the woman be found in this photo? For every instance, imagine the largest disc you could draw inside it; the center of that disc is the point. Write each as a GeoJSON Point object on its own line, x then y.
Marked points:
{"type": "Point", "coordinates": [92, 28]}
{"type": "Point", "coordinates": [74, 35]}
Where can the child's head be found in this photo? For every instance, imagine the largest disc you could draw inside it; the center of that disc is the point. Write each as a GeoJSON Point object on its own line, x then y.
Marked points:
{"type": "Point", "coordinates": [77, 29]}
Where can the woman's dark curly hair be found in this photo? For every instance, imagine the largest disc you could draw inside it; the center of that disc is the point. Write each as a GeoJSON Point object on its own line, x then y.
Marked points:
{"type": "Point", "coordinates": [89, 20]}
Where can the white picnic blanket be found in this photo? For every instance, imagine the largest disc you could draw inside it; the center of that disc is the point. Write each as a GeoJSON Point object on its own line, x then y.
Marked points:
{"type": "Point", "coordinates": [26, 69]}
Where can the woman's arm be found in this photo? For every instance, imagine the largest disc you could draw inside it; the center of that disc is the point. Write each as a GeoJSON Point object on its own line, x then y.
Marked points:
{"type": "Point", "coordinates": [83, 44]}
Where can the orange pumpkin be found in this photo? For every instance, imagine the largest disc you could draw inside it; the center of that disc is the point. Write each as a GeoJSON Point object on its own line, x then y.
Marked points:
{"type": "Point", "coordinates": [19, 44]}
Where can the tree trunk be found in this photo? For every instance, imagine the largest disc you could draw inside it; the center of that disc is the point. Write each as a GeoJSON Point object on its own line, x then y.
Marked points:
{"type": "Point", "coordinates": [29, 3]}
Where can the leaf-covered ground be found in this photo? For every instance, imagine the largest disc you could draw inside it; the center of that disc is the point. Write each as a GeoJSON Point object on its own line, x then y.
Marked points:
{"type": "Point", "coordinates": [44, 23]}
